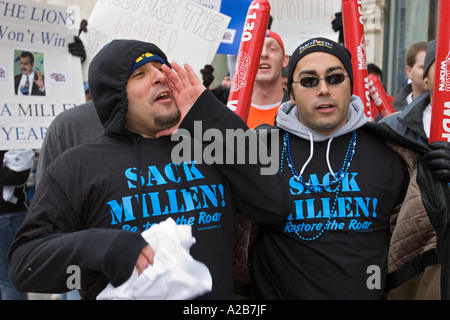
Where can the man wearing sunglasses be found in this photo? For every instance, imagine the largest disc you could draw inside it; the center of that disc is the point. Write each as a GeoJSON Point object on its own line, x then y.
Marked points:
{"type": "Point", "coordinates": [348, 187]}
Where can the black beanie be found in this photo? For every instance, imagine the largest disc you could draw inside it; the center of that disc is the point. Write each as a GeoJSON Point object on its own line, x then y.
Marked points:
{"type": "Point", "coordinates": [430, 56]}
{"type": "Point", "coordinates": [321, 45]}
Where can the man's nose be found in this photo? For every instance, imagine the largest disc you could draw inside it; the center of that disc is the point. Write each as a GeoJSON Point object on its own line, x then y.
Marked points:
{"type": "Point", "coordinates": [323, 87]}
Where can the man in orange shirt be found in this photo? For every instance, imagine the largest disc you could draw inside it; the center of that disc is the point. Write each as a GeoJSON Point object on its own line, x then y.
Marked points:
{"type": "Point", "coordinates": [268, 92]}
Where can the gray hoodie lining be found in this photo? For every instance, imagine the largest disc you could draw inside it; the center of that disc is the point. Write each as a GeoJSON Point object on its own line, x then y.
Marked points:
{"type": "Point", "coordinates": [287, 119]}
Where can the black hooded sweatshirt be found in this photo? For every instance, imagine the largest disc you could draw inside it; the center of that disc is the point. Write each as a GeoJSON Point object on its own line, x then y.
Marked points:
{"type": "Point", "coordinates": [87, 211]}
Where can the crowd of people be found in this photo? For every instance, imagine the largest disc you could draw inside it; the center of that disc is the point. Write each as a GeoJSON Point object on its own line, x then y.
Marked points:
{"type": "Point", "coordinates": [357, 209]}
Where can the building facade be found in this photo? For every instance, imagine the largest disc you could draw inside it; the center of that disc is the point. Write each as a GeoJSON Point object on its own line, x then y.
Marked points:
{"type": "Point", "coordinates": [392, 26]}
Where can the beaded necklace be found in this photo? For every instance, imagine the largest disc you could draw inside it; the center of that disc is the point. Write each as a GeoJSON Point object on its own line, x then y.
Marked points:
{"type": "Point", "coordinates": [337, 178]}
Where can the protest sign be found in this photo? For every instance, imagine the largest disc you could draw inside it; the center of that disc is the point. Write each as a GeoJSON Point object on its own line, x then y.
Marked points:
{"type": "Point", "coordinates": [185, 31]}
{"type": "Point", "coordinates": [39, 78]}
{"type": "Point", "coordinates": [210, 4]}
{"type": "Point", "coordinates": [300, 20]}
{"type": "Point", "coordinates": [237, 10]}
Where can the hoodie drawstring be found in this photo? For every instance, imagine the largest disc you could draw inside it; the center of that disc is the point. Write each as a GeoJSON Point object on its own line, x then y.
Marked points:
{"type": "Point", "coordinates": [311, 152]}
{"type": "Point", "coordinates": [328, 157]}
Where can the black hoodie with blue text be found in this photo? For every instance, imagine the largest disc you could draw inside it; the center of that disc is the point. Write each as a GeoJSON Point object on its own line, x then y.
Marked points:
{"type": "Point", "coordinates": [95, 199]}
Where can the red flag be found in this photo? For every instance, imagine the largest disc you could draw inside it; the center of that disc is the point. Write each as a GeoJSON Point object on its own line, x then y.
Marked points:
{"type": "Point", "coordinates": [247, 62]}
{"type": "Point", "coordinates": [379, 97]}
{"type": "Point", "coordinates": [355, 42]}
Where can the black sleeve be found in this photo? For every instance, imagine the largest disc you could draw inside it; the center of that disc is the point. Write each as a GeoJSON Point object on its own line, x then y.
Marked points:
{"type": "Point", "coordinates": [11, 177]}
{"type": "Point", "coordinates": [14, 178]}
{"type": "Point", "coordinates": [41, 264]}
{"type": "Point", "coordinates": [52, 238]}
{"type": "Point", "coordinates": [259, 196]}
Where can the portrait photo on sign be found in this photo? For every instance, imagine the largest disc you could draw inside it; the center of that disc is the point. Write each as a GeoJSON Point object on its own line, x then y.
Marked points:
{"type": "Point", "coordinates": [29, 73]}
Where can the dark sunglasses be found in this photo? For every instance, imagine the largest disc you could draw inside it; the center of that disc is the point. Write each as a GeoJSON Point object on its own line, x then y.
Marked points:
{"type": "Point", "coordinates": [312, 81]}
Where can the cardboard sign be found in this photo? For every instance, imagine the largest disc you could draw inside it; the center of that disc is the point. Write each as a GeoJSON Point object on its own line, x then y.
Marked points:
{"type": "Point", "coordinates": [300, 20]}
{"type": "Point", "coordinates": [185, 31]}
{"type": "Point", "coordinates": [39, 78]}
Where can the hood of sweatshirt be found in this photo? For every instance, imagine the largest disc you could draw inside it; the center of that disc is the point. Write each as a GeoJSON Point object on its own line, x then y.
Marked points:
{"type": "Point", "coordinates": [108, 77]}
{"type": "Point", "coordinates": [287, 119]}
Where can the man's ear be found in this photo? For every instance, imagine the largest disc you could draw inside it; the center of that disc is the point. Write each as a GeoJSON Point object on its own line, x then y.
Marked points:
{"type": "Point", "coordinates": [285, 61]}
{"type": "Point", "coordinates": [408, 71]}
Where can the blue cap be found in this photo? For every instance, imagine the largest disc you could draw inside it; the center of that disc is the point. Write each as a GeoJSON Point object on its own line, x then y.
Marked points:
{"type": "Point", "coordinates": [145, 58]}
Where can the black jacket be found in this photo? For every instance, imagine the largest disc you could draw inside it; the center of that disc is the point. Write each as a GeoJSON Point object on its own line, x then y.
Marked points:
{"type": "Point", "coordinates": [406, 129]}
{"type": "Point", "coordinates": [89, 199]}
{"type": "Point", "coordinates": [400, 102]}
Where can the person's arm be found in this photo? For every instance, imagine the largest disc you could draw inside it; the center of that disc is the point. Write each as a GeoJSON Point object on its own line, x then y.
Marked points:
{"type": "Point", "coordinates": [17, 165]}
{"type": "Point", "coordinates": [40, 264]}
{"type": "Point", "coordinates": [51, 239]}
{"type": "Point", "coordinates": [15, 178]}
{"type": "Point", "coordinates": [263, 198]}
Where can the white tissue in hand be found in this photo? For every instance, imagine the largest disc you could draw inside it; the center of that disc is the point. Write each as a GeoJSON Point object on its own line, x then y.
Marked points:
{"type": "Point", "coordinates": [174, 275]}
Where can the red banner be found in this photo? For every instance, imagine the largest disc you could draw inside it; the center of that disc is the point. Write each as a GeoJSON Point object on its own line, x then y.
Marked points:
{"type": "Point", "coordinates": [440, 114]}
{"type": "Point", "coordinates": [379, 97]}
{"type": "Point", "coordinates": [355, 42]}
{"type": "Point", "coordinates": [247, 62]}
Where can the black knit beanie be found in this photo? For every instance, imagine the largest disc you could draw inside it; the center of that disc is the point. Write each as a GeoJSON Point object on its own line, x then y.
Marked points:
{"type": "Point", "coordinates": [321, 45]}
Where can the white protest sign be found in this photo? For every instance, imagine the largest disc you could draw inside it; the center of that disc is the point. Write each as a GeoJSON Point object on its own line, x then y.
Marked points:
{"type": "Point", "coordinates": [301, 20]}
{"type": "Point", "coordinates": [211, 4]}
{"type": "Point", "coordinates": [34, 38]}
{"type": "Point", "coordinates": [185, 31]}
